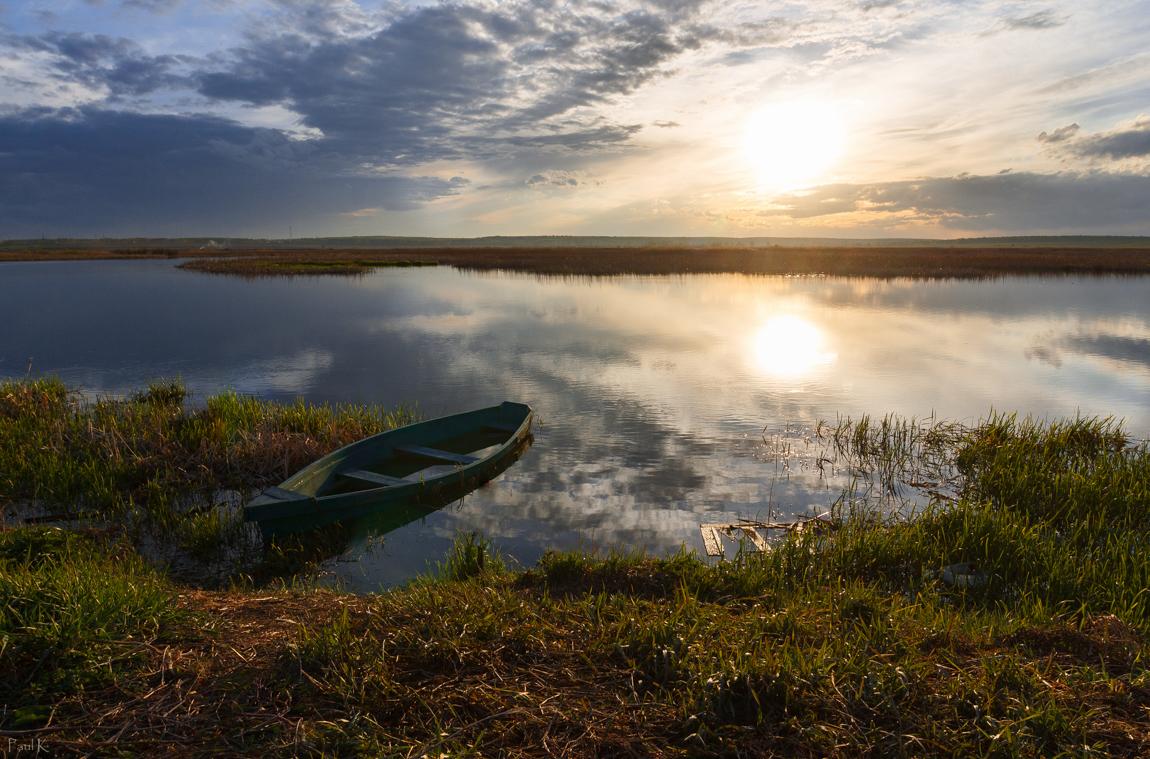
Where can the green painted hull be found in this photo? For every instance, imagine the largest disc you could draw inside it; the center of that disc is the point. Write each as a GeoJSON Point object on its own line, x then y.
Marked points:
{"type": "Point", "coordinates": [410, 471]}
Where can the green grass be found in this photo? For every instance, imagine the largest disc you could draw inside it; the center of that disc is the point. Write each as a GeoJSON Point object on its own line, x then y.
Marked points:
{"type": "Point", "coordinates": [152, 463]}
{"type": "Point", "coordinates": [111, 455]}
{"type": "Point", "coordinates": [843, 642]}
{"type": "Point", "coordinates": [72, 614]}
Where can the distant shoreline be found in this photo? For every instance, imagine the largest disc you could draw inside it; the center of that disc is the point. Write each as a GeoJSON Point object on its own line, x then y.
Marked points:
{"type": "Point", "coordinates": [853, 261]}
{"type": "Point", "coordinates": [206, 245]}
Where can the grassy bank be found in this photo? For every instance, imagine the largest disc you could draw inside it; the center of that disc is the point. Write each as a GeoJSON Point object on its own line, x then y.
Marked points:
{"type": "Point", "coordinates": [936, 261]}
{"type": "Point", "coordinates": [160, 469]}
{"type": "Point", "coordinates": [836, 643]}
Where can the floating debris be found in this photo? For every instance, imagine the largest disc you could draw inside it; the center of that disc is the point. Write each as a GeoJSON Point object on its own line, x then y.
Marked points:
{"type": "Point", "coordinates": [747, 530]}
{"type": "Point", "coordinates": [963, 575]}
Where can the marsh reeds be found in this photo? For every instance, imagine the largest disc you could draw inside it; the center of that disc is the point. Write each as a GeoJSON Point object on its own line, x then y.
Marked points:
{"type": "Point", "coordinates": [942, 260]}
{"type": "Point", "coordinates": [154, 464]}
{"type": "Point", "coordinates": [314, 264]}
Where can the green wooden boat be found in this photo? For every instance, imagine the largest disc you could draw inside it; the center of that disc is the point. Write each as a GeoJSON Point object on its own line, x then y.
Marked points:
{"type": "Point", "coordinates": [418, 464]}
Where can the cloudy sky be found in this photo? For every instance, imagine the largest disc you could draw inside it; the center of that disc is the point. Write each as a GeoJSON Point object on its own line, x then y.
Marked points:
{"type": "Point", "coordinates": [671, 117]}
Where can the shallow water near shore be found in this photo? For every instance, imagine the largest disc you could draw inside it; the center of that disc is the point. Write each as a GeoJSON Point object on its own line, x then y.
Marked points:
{"type": "Point", "coordinates": [663, 401]}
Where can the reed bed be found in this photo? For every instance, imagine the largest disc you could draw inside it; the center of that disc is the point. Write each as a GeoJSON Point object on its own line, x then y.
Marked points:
{"type": "Point", "coordinates": [843, 642]}
{"type": "Point", "coordinates": [921, 262]}
{"type": "Point", "coordinates": [939, 261]}
{"type": "Point", "coordinates": [289, 266]}
{"type": "Point", "coordinates": [169, 473]}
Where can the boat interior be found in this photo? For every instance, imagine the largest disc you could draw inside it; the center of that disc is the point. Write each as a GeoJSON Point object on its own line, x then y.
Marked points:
{"type": "Point", "coordinates": [417, 463]}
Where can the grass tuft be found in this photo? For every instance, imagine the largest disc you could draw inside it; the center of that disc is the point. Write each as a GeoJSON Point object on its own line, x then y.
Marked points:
{"type": "Point", "coordinates": [471, 556]}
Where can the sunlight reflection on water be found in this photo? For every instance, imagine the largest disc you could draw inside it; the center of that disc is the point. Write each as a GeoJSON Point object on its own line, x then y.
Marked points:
{"type": "Point", "coordinates": [790, 346]}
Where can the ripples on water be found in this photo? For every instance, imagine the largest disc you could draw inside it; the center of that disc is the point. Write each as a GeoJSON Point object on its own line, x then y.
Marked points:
{"type": "Point", "coordinates": [664, 401]}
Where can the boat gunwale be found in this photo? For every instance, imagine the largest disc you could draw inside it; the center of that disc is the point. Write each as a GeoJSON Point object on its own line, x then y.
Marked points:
{"type": "Point", "coordinates": [252, 511]}
{"type": "Point", "coordinates": [462, 469]}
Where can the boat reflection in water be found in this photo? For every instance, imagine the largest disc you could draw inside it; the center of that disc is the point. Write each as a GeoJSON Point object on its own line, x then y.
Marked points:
{"type": "Point", "coordinates": [295, 545]}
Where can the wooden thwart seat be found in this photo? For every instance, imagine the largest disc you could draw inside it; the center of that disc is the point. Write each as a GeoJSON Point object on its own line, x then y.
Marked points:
{"type": "Point", "coordinates": [493, 427]}
{"type": "Point", "coordinates": [434, 454]}
{"type": "Point", "coordinates": [373, 478]}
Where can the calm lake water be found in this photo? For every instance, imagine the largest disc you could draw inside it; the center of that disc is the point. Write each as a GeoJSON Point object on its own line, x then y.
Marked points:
{"type": "Point", "coordinates": [653, 394]}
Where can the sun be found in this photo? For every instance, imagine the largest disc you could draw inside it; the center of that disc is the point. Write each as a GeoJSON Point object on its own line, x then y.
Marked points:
{"type": "Point", "coordinates": [792, 144]}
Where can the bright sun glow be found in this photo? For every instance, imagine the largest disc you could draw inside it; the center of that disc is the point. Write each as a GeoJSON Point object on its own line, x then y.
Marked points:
{"type": "Point", "coordinates": [793, 144]}
{"type": "Point", "coordinates": [790, 347]}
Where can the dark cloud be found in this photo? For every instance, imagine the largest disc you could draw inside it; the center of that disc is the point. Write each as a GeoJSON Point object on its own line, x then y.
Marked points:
{"type": "Point", "coordinates": [516, 83]}
{"type": "Point", "coordinates": [553, 178]}
{"type": "Point", "coordinates": [1131, 140]}
{"type": "Point", "coordinates": [1125, 142]}
{"type": "Point", "coordinates": [635, 47]}
{"type": "Point", "coordinates": [1046, 19]}
{"type": "Point", "coordinates": [666, 124]}
{"type": "Point", "coordinates": [454, 80]}
{"type": "Point", "coordinates": [1009, 201]}
{"type": "Point", "coordinates": [152, 6]}
{"type": "Point", "coordinates": [93, 172]}
{"type": "Point", "coordinates": [574, 139]}
{"type": "Point", "coordinates": [98, 60]}
{"type": "Point", "coordinates": [1061, 134]}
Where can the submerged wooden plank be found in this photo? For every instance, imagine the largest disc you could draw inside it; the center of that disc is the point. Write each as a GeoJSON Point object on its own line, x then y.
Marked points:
{"type": "Point", "coordinates": [435, 454]}
{"type": "Point", "coordinates": [374, 478]}
{"type": "Point", "coordinates": [712, 532]}
{"type": "Point", "coordinates": [711, 541]}
{"type": "Point", "coordinates": [757, 540]}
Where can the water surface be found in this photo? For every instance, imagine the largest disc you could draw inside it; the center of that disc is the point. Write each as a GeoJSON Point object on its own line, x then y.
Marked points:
{"type": "Point", "coordinates": [653, 393]}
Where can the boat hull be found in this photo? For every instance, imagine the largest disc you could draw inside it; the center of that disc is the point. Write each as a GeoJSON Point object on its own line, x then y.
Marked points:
{"type": "Point", "coordinates": [332, 489]}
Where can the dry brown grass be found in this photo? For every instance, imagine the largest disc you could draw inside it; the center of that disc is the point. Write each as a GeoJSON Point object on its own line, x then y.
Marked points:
{"type": "Point", "coordinates": [226, 688]}
{"type": "Point", "coordinates": [869, 262]}
{"type": "Point", "coordinates": [235, 682]}
{"type": "Point", "coordinates": [925, 262]}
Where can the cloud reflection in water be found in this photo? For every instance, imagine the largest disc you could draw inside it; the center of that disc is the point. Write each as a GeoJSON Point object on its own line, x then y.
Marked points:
{"type": "Point", "coordinates": [653, 392]}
